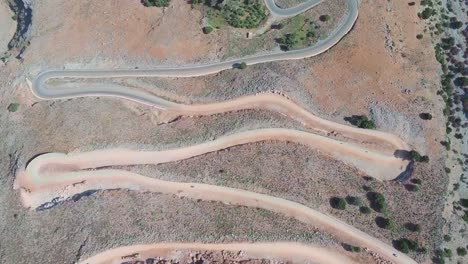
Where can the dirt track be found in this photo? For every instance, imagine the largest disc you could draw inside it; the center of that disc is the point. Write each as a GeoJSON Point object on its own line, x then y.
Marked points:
{"type": "Point", "coordinates": [281, 251]}
{"type": "Point", "coordinates": [75, 182]}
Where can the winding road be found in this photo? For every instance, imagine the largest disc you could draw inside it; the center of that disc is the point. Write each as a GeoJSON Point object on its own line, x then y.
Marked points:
{"type": "Point", "coordinates": [56, 176]}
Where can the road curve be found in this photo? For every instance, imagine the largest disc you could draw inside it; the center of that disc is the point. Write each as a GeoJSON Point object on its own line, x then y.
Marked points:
{"type": "Point", "coordinates": [41, 90]}
{"type": "Point", "coordinates": [372, 163]}
{"type": "Point", "coordinates": [279, 12]}
{"type": "Point", "coordinates": [295, 252]}
{"type": "Point", "coordinates": [69, 181]}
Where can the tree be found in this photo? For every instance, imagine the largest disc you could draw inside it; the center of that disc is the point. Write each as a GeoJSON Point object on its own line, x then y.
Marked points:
{"type": "Point", "coordinates": [243, 65]}
{"type": "Point", "coordinates": [338, 203]}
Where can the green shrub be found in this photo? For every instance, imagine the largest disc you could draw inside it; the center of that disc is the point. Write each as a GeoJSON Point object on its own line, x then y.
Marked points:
{"type": "Point", "coordinates": [338, 203]}
{"type": "Point", "coordinates": [207, 29]}
{"type": "Point", "coordinates": [353, 200]}
{"type": "Point", "coordinates": [383, 222]}
{"type": "Point", "coordinates": [413, 227]}
{"type": "Point", "coordinates": [461, 251]}
{"type": "Point", "coordinates": [416, 181]}
{"type": "Point", "coordinates": [243, 13]}
{"type": "Point", "coordinates": [464, 202]}
{"type": "Point", "coordinates": [446, 253]}
{"type": "Point", "coordinates": [361, 121]}
{"type": "Point", "coordinates": [425, 116]}
{"type": "Point", "coordinates": [377, 201]}
{"type": "Point", "coordinates": [415, 156]}
{"type": "Point", "coordinates": [158, 3]}
{"type": "Point", "coordinates": [364, 210]}
{"type": "Point", "coordinates": [243, 65]}
{"type": "Point", "coordinates": [405, 245]}
{"type": "Point", "coordinates": [456, 24]}
{"type": "Point", "coordinates": [355, 249]}
{"type": "Point", "coordinates": [412, 187]}
{"type": "Point", "coordinates": [419, 36]}
{"type": "Point", "coordinates": [13, 107]}
{"type": "Point", "coordinates": [447, 238]}
{"type": "Point", "coordinates": [325, 18]}
{"type": "Point", "coordinates": [465, 217]}
{"type": "Point", "coordinates": [426, 13]}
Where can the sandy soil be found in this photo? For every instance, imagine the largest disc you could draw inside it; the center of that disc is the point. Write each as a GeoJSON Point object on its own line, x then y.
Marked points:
{"type": "Point", "coordinates": [7, 26]}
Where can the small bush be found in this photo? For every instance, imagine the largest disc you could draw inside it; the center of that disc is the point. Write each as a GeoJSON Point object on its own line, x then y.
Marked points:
{"type": "Point", "coordinates": [425, 116]}
{"type": "Point", "coordinates": [413, 227]}
{"type": "Point", "coordinates": [158, 3]}
{"type": "Point", "coordinates": [465, 217]}
{"type": "Point", "coordinates": [422, 250]}
{"type": "Point", "coordinates": [417, 157]}
{"type": "Point", "coordinates": [377, 201]}
{"type": "Point", "coordinates": [412, 187]}
{"type": "Point", "coordinates": [426, 13]}
{"type": "Point", "coordinates": [461, 251]}
{"type": "Point", "coordinates": [357, 249]}
{"type": "Point", "coordinates": [353, 200]}
{"type": "Point", "coordinates": [416, 181]}
{"type": "Point", "coordinates": [338, 203]}
{"type": "Point", "coordinates": [243, 65]}
{"type": "Point", "coordinates": [361, 121]}
{"type": "Point", "coordinates": [446, 253]}
{"type": "Point", "coordinates": [405, 245]}
{"type": "Point", "coordinates": [383, 222]}
{"type": "Point", "coordinates": [364, 210]}
{"type": "Point", "coordinates": [419, 36]}
{"type": "Point", "coordinates": [447, 238]}
{"type": "Point", "coordinates": [13, 107]}
{"type": "Point", "coordinates": [207, 29]}
{"type": "Point", "coordinates": [324, 18]}
{"type": "Point", "coordinates": [464, 202]}
{"type": "Point", "coordinates": [279, 26]}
